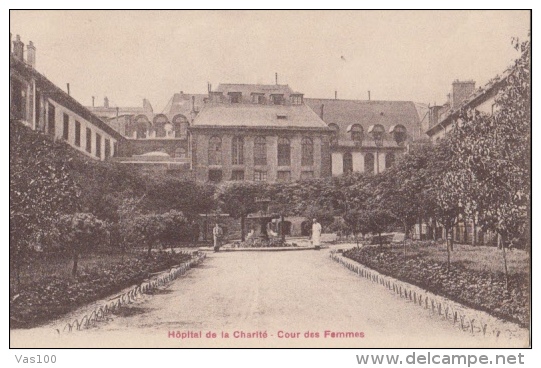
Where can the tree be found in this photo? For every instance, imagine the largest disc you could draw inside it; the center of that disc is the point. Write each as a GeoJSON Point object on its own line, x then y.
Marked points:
{"type": "Point", "coordinates": [177, 228]}
{"type": "Point", "coordinates": [82, 232]}
{"type": "Point", "coordinates": [149, 230]}
{"type": "Point", "coordinates": [238, 199]}
{"type": "Point", "coordinates": [41, 188]}
{"type": "Point", "coordinates": [493, 155]}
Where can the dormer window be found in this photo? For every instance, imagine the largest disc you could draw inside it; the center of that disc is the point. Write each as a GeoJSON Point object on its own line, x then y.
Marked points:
{"type": "Point", "coordinates": [258, 98]}
{"type": "Point", "coordinates": [356, 131]}
{"type": "Point", "coordinates": [216, 96]}
{"type": "Point", "coordinates": [296, 99]}
{"type": "Point", "coordinates": [277, 99]}
{"type": "Point", "coordinates": [235, 97]}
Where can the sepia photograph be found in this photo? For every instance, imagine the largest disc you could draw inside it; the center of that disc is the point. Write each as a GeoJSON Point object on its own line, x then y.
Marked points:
{"type": "Point", "coordinates": [270, 179]}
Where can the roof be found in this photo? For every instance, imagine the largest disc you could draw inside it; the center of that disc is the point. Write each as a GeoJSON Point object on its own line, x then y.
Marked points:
{"type": "Point", "coordinates": [248, 89]}
{"type": "Point", "coordinates": [181, 103]}
{"type": "Point", "coordinates": [50, 90]}
{"type": "Point", "coordinates": [478, 96]}
{"type": "Point", "coordinates": [110, 112]}
{"type": "Point", "coordinates": [258, 116]}
{"type": "Point", "coordinates": [366, 113]}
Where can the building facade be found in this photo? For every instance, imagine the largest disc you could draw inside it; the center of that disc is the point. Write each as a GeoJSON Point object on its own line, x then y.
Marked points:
{"type": "Point", "coordinates": [464, 95]}
{"type": "Point", "coordinates": [260, 133]}
{"type": "Point", "coordinates": [155, 142]}
{"type": "Point", "coordinates": [38, 103]}
{"type": "Point", "coordinates": [369, 136]}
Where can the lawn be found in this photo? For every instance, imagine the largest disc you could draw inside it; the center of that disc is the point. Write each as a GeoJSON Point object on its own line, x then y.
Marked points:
{"type": "Point", "coordinates": [478, 258]}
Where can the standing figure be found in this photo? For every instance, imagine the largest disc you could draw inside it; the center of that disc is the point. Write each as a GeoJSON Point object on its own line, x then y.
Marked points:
{"type": "Point", "coordinates": [316, 234]}
{"type": "Point", "coordinates": [217, 232]}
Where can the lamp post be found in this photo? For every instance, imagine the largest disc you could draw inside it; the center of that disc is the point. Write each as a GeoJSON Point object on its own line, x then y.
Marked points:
{"type": "Point", "coordinates": [377, 131]}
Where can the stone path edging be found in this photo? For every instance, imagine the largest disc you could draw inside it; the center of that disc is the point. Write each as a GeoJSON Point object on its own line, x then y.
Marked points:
{"type": "Point", "coordinates": [132, 294]}
{"type": "Point", "coordinates": [467, 319]}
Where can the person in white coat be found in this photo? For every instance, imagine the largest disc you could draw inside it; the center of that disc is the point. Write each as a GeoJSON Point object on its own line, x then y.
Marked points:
{"type": "Point", "coordinates": [316, 234]}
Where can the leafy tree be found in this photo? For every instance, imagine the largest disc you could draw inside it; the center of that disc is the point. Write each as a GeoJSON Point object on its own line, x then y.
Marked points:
{"type": "Point", "coordinates": [493, 156]}
{"type": "Point", "coordinates": [149, 230]}
{"type": "Point", "coordinates": [238, 199]}
{"type": "Point", "coordinates": [40, 188]}
{"type": "Point", "coordinates": [81, 232]}
{"type": "Point", "coordinates": [177, 228]}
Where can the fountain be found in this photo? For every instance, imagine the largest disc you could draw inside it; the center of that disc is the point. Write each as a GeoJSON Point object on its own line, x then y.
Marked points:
{"type": "Point", "coordinates": [263, 216]}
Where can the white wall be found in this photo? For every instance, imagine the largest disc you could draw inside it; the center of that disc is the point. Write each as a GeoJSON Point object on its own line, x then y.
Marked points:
{"type": "Point", "coordinates": [59, 127]}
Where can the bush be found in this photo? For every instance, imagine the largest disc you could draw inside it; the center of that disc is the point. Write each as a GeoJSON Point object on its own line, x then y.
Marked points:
{"type": "Point", "coordinates": [51, 297]}
{"type": "Point", "coordinates": [482, 290]}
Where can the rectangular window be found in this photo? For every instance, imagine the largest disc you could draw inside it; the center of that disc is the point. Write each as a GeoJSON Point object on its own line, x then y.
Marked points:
{"type": "Point", "coordinates": [260, 151]}
{"type": "Point", "coordinates": [284, 176]}
{"type": "Point", "coordinates": [307, 175]}
{"type": "Point", "coordinates": [98, 145]}
{"type": "Point", "coordinates": [296, 100]}
{"type": "Point", "coordinates": [215, 176]}
{"type": "Point", "coordinates": [284, 152]}
{"type": "Point", "coordinates": [51, 120]}
{"type": "Point", "coordinates": [88, 140]}
{"type": "Point", "coordinates": [115, 148]}
{"type": "Point", "coordinates": [18, 99]}
{"type": "Point", "coordinates": [77, 133]}
{"type": "Point", "coordinates": [278, 99]}
{"type": "Point", "coordinates": [260, 175]}
{"type": "Point", "coordinates": [236, 97]}
{"type": "Point", "coordinates": [237, 175]}
{"type": "Point", "coordinates": [107, 148]}
{"type": "Point", "coordinates": [66, 131]}
{"type": "Point", "coordinates": [281, 117]}
{"type": "Point", "coordinates": [258, 98]}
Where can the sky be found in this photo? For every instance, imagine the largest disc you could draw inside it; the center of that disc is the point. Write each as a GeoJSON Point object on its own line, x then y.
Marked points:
{"type": "Point", "coordinates": [397, 55]}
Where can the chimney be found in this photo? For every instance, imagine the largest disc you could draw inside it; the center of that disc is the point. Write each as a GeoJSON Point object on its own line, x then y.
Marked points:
{"type": "Point", "coordinates": [105, 102]}
{"type": "Point", "coordinates": [335, 94]}
{"type": "Point", "coordinates": [321, 114]}
{"type": "Point", "coordinates": [10, 43]}
{"type": "Point", "coordinates": [18, 48]}
{"type": "Point", "coordinates": [368, 95]}
{"type": "Point", "coordinates": [93, 101]}
{"type": "Point", "coordinates": [31, 54]}
{"type": "Point", "coordinates": [461, 91]}
{"type": "Point", "coordinates": [193, 103]}
{"type": "Point", "coordinates": [276, 78]}
{"type": "Point", "coordinates": [68, 88]}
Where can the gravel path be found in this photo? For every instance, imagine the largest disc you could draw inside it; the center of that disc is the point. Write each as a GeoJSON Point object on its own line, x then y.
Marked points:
{"type": "Point", "coordinates": [266, 294]}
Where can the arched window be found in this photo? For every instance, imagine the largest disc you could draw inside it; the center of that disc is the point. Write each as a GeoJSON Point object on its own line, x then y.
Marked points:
{"type": "Point", "coordinates": [180, 126]}
{"type": "Point", "coordinates": [356, 132]}
{"type": "Point", "coordinates": [369, 163]}
{"type": "Point", "coordinates": [284, 152]}
{"type": "Point", "coordinates": [334, 135]}
{"type": "Point", "coordinates": [215, 151]}
{"type": "Point", "coordinates": [237, 151]}
{"type": "Point", "coordinates": [348, 162]}
{"type": "Point", "coordinates": [307, 158]}
{"type": "Point", "coordinates": [260, 151]}
{"type": "Point", "coordinates": [159, 125]}
{"type": "Point", "coordinates": [399, 134]}
{"type": "Point", "coordinates": [389, 160]}
{"type": "Point", "coordinates": [139, 127]}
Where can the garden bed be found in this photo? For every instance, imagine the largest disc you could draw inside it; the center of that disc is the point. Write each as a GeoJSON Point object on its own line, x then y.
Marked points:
{"type": "Point", "coordinates": [479, 288]}
{"type": "Point", "coordinates": [53, 296]}
{"type": "Point", "coordinates": [261, 243]}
